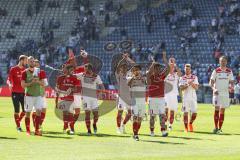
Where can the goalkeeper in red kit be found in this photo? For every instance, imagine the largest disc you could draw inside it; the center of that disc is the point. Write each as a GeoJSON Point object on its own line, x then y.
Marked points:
{"type": "Point", "coordinates": [14, 83]}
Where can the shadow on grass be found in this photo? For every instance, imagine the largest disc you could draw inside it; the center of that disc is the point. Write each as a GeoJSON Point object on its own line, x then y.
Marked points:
{"type": "Point", "coordinates": [59, 137]}
{"type": "Point", "coordinates": [209, 133]}
{"type": "Point", "coordinates": [8, 138]}
{"type": "Point", "coordinates": [52, 132]}
{"type": "Point", "coordinates": [161, 142]}
{"type": "Point", "coordinates": [104, 135]}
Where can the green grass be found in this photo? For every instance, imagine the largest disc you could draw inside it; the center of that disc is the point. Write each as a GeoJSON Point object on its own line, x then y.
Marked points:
{"type": "Point", "coordinates": [109, 145]}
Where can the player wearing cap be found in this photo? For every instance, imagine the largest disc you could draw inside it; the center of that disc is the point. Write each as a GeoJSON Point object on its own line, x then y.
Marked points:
{"type": "Point", "coordinates": [220, 81]}
{"type": "Point", "coordinates": [188, 85]}
{"type": "Point", "coordinates": [14, 84]}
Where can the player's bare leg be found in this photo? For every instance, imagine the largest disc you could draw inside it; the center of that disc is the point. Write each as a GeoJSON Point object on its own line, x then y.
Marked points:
{"type": "Point", "coordinates": [193, 117]}
{"type": "Point", "coordinates": [135, 127]}
{"type": "Point", "coordinates": [162, 118]}
{"type": "Point", "coordinates": [95, 120]}
{"type": "Point", "coordinates": [185, 120]}
{"type": "Point", "coordinates": [216, 119]}
{"type": "Point", "coordinates": [221, 120]}
{"type": "Point", "coordinates": [37, 123]}
{"type": "Point", "coordinates": [171, 119]}
{"type": "Point", "coordinates": [27, 123]}
{"type": "Point", "coordinates": [65, 121]}
{"type": "Point", "coordinates": [126, 119]}
{"type": "Point", "coordinates": [119, 120]}
{"type": "Point", "coordinates": [152, 124]}
{"type": "Point", "coordinates": [88, 121]}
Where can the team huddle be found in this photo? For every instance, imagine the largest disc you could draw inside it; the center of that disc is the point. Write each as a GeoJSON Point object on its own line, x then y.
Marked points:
{"type": "Point", "coordinates": [79, 88]}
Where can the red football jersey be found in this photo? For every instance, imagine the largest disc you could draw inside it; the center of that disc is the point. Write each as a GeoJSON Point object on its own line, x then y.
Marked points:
{"type": "Point", "coordinates": [15, 77]}
{"type": "Point", "coordinates": [156, 87]}
{"type": "Point", "coordinates": [65, 82]}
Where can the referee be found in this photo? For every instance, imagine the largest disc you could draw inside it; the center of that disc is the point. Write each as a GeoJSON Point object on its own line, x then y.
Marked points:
{"type": "Point", "coordinates": [14, 83]}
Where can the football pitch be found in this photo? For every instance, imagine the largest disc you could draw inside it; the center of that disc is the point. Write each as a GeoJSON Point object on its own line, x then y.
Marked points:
{"type": "Point", "coordinates": [107, 144]}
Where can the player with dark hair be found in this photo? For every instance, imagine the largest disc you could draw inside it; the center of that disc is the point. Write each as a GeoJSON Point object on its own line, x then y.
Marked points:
{"type": "Point", "coordinates": [66, 85]}
{"type": "Point", "coordinates": [90, 81]}
{"type": "Point", "coordinates": [155, 80]}
{"type": "Point", "coordinates": [14, 83]}
{"type": "Point", "coordinates": [137, 84]}
{"type": "Point", "coordinates": [124, 100]}
{"type": "Point", "coordinates": [220, 81]}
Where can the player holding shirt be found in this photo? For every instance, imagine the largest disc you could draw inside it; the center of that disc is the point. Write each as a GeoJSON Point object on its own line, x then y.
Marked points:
{"type": "Point", "coordinates": [67, 85]}
{"type": "Point", "coordinates": [137, 84]}
{"type": "Point", "coordinates": [44, 107]}
{"type": "Point", "coordinates": [124, 100]}
{"type": "Point", "coordinates": [90, 81]}
{"type": "Point", "coordinates": [171, 97]}
{"type": "Point", "coordinates": [155, 80]}
{"type": "Point", "coordinates": [188, 85]}
{"type": "Point", "coordinates": [14, 83]}
{"type": "Point", "coordinates": [220, 79]}
{"type": "Point", "coordinates": [32, 81]}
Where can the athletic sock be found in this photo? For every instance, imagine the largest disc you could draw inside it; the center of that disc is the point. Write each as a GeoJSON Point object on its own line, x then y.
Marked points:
{"type": "Point", "coordinates": [185, 120]}
{"type": "Point", "coordinates": [162, 122]}
{"type": "Point", "coordinates": [65, 121]}
{"type": "Point", "coordinates": [216, 118]}
{"type": "Point", "coordinates": [43, 114]}
{"type": "Point", "coordinates": [221, 119]}
{"type": "Point", "coordinates": [22, 114]}
{"type": "Point", "coordinates": [88, 121]}
{"type": "Point", "coordinates": [27, 123]}
{"type": "Point", "coordinates": [37, 122]}
{"type": "Point", "coordinates": [75, 117]}
{"type": "Point", "coordinates": [71, 122]}
{"type": "Point", "coordinates": [34, 118]}
{"type": "Point", "coordinates": [193, 117]}
{"type": "Point", "coordinates": [119, 118]}
{"type": "Point", "coordinates": [171, 117]}
{"type": "Point", "coordinates": [16, 117]}
{"type": "Point", "coordinates": [127, 117]}
{"type": "Point", "coordinates": [135, 128]}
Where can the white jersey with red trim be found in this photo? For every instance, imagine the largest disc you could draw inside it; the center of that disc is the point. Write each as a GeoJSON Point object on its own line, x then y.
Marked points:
{"type": "Point", "coordinates": [172, 78]}
{"type": "Point", "coordinates": [189, 93]}
{"type": "Point", "coordinates": [222, 79]}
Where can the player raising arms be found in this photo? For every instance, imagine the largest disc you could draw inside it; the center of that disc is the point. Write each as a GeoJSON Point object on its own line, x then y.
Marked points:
{"type": "Point", "coordinates": [155, 80]}
{"type": "Point", "coordinates": [188, 85]}
{"type": "Point", "coordinates": [137, 84]}
{"type": "Point", "coordinates": [124, 99]}
{"type": "Point", "coordinates": [171, 97]}
{"type": "Point", "coordinates": [67, 85]}
{"type": "Point", "coordinates": [220, 79]}
{"type": "Point", "coordinates": [32, 81]}
{"type": "Point", "coordinates": [44, 105]}
{"type": "Point", "coordinates": [14, 83]}
{"type": "Point", "coordinates": [90, 81]}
